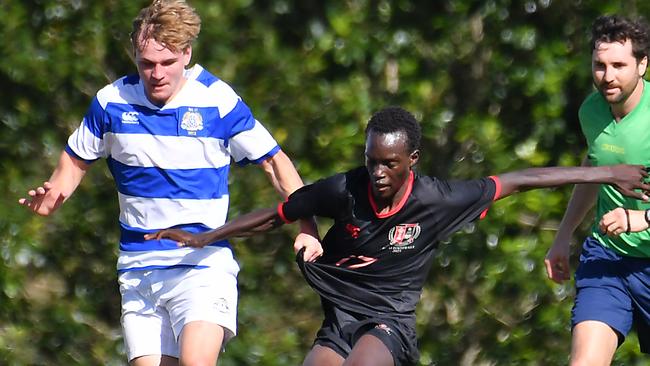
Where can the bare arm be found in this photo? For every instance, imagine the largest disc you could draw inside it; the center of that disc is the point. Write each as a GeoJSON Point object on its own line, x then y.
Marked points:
{"type": "Point", "coordinates": [255, 222]}
{"type": "Point", "coordinates": [284, 177]}
{"type": "Point", "coordinates": [625, 178]}
{"type": "Point", "coordinates": [66, 177]}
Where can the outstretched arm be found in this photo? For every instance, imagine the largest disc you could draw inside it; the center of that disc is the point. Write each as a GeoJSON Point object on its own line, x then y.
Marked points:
{"type": "Point", "coordinates": [625, 178]}
{"type": "Point", "coordinates": [46, 199]}
{"type": "Point", "coordinates": [251, 223]}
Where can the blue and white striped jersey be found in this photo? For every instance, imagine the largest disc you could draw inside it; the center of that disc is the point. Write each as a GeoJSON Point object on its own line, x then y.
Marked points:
{"type": "Point", "coordinates": [170, 163]}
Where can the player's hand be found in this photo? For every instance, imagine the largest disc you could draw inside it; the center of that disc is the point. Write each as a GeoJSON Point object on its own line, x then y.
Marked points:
{"type": "Point", "coordinates": [557, 261]}
{"type": "Point", "coordinates": [181, 237]}
{"type": "Point", "coordinates": [616, 221]}
{"type": "Point", "coordinates": [43, 200]}
{"type": "Point", "coordinates": [313, 247]}
{"type": "Point", "coordinates": [629, 178]}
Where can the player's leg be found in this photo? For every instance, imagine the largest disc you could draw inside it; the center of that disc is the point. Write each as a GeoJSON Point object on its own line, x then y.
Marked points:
{"type": "Point", "coordinates": [203, 313]}
{"type": "Point", "coordinates": [602, 314]}
{"type": "Point", "coordinates": [146, 327]}
{"type": "Point", "coordinates": [370, 351]}
{"type": "Point", "coordinates": [323, 356]}
{"type": "Point", "coordinates": [593, 343]}
{"type": "Point", "coordinates": [154, 360]}
{"type": "Point", "coordinates": [200, 343]}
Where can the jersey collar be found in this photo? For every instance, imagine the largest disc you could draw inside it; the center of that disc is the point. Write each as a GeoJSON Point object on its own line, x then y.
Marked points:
{"type": "Point", "coordinates": [401, 203]}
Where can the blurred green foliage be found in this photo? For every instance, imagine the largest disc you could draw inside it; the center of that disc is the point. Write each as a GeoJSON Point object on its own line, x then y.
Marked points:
{"type": "Point", "coordinates": [495, 83]}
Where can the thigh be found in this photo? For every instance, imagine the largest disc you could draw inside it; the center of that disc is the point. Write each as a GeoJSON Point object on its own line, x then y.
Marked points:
{"type": "Point", "coordinates": [323, 356]}
{"type": "Point", "coordinates": [207, 296]}
{"type": "Point", "coordinates": [593, 343]}
{"type": "Point", "coordinates": [601, 290]}
{"type": "Point", "coordinates": [370, 351]}
{"type": "Point", "coordinates": [638, 280]}
{"type": "Point", "coordinates": [200, 343]}
{"type": "Point", "coordinates": [154, 360]}
{"type": "Point", "coordinates": [146, 326]}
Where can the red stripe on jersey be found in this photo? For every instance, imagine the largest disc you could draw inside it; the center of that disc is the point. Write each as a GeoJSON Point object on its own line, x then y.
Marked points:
{"type": "Point", "coordinates": [497, 194]}
{"type": "Point", "coordinates": [281, 213]}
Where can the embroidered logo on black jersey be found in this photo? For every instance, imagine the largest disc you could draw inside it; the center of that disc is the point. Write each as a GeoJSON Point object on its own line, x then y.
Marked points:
{"type": "Point", "coordinates": [404, 234]}
{"type": "Point", "coordinates": [353, 230]}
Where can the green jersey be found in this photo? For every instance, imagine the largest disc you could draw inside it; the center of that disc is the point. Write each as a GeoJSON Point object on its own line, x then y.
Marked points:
{"type": "Point", "coordinates": [624, 142]}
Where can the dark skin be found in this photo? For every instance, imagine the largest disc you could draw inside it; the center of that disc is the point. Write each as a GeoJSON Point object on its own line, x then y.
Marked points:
{"type": "Point", "coordinates": [389, 163]}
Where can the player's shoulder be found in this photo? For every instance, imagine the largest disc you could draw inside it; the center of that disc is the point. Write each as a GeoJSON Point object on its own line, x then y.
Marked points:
{"type": "Point", "coordinates": [208, 90]}
{"type": "Point", "coordinates": [593, 106]}
{"type": "Point", "coordinates": [341, 184]}
{"type": "Point", "coordinates": [125, 90]}
{"type": "Point", "coordinates": [434, 189]}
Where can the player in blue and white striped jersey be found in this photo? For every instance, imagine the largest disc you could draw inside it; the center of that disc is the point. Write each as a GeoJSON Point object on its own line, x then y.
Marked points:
{"type": "Point", "coordinates": [168, 135]}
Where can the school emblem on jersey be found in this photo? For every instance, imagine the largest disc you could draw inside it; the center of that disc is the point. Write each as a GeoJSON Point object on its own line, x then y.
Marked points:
{"type": "Point", "coordinates": [404, 234]}
{"type": "Point", "coordinates": [192, 121]}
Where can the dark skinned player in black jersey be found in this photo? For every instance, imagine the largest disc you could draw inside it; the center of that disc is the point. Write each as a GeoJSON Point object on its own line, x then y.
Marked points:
{"type": "Point", "coordinates": [388, 221]}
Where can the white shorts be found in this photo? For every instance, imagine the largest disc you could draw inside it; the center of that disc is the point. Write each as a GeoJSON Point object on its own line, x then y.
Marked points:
{"type": "Point", "coordinates": [156, 304]}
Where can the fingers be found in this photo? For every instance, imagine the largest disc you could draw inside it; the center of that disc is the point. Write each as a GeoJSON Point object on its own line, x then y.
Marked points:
{"type": "Point", "coordinates": [311, 254]}
{"type": "Point", "coordinates": [614, 222]}
{"type": "Point", "coordinates": [160, 234]}
{"type": "Point", "coordinates": [557, 271]}
{"type": "Point", "coordinates": [313, 250]}
{"type": "Point", "coordinates": [35, 193]}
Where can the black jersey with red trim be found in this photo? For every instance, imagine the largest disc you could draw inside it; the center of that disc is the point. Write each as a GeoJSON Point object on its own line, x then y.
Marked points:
{"type": "Point", "coordinates": [374, 264]}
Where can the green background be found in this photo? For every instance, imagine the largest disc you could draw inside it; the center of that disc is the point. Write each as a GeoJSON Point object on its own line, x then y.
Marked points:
{"type": "Point", "coordinates": [496, 85]}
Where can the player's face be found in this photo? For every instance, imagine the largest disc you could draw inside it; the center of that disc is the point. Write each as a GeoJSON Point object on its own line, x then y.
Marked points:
{"type": "Point", "coordinates": [161, 70]}
{"type": "Point", "coordinates": [616, 73]}
{"type": "Point", "coordinates": [389, 164]}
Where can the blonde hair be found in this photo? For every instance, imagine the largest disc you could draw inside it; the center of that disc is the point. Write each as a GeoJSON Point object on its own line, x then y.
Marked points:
{"type": "Point", "coordinates": [172, 23]}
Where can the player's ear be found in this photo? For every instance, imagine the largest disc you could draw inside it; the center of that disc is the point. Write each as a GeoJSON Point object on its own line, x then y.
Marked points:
{"type": "Point", "coordinates": [187, 55]}
{"type": "Point", "coordinates": [414, 157]}
{"type": "Point", "coordinates": [643, 65]}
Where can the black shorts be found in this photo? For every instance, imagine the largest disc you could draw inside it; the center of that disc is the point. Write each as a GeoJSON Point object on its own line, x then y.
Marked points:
{"type": "Point", "coordinates": [341, 329]}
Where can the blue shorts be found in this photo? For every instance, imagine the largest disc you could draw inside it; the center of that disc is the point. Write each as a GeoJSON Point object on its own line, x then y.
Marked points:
{"type": "Point", "coordinates": [615, 290]}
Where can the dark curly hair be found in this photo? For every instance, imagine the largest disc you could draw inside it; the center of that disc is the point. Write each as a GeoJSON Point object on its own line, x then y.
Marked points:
{"type": "Point", "coordinates": [617, 28]}
{"type": "Point", "coordinates": [394, 119]}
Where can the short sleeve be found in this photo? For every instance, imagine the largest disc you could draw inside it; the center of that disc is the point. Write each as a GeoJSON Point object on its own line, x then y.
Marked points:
{"type": "Point", "coordinates": [324, 198]}
{"type": "Point", "coordinates": [248, 141]}
{"type": "Point", "coordinates": [461, 202]}
{"type": "Point", "coordinates": [87, 141]}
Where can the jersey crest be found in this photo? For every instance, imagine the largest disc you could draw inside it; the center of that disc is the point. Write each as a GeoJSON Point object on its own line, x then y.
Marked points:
{"type": "Point", "coordinates": [404, 234]}
{"type": "Point", "coordinates": [192, 121]}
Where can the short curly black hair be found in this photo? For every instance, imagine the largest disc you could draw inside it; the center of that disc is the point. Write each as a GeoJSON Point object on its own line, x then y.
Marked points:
{"type": "Point", "coordinates": [395, 119]}
{"type": "Point", "coordinates": [617, 28]}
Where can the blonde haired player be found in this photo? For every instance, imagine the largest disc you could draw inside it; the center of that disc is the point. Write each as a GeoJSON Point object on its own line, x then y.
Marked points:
{"type": "Point", "coordinates": [168, 134]}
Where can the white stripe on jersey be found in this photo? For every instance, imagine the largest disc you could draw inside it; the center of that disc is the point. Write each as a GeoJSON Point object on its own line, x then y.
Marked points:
{"type": "Point", "coordinates": [160, 213]}
{"type": "Point", "coordinates": [251, 144]}
{"type": "Point", "coordinates": [220, 257]}
{"type": "Point", "coordinates": [86, 145]}
{"type": "Point", "coordinates": [167, 152]}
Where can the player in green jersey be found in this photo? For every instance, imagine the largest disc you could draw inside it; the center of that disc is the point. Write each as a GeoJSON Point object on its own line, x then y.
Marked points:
{"type": "Point", "coordinates": [613, 278]}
